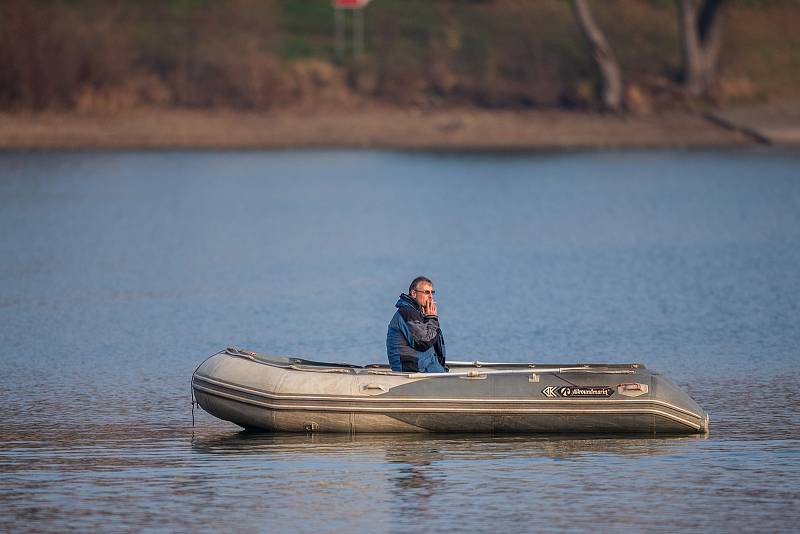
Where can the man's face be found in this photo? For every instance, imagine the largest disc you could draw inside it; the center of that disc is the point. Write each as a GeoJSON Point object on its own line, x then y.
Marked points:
{"type": "Point", "coordinates": [423, 294]}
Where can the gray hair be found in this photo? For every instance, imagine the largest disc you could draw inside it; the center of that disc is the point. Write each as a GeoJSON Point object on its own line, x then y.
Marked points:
{"type": "Point", "coordinates": [418, 280]}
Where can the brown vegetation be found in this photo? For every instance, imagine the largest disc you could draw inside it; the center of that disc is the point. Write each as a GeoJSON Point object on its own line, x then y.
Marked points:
{"type": "Point", "coordinates": [107, 56]}
{"type": "Point", "coordinates": [120, 55]}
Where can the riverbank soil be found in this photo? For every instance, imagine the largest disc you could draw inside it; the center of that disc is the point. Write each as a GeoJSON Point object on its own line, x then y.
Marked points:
{"type": "Point", "coordinates": [779, 123]}
{"type": "Point", "coordinates": [374, 128]}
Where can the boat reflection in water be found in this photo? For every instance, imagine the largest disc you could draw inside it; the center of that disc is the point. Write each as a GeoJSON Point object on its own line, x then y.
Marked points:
{"type": "Point", "coordinates": [422, 449]}
{"type": "Point", "coordinates": [420, 466]}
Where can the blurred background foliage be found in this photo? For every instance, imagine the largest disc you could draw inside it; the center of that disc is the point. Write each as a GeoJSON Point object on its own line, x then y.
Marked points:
{"type": "Point", "coordinates": [105, 55]}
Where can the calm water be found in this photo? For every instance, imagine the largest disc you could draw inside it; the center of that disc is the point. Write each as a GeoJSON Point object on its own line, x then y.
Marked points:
{"type": "Point", "coordinates": [120, 272]}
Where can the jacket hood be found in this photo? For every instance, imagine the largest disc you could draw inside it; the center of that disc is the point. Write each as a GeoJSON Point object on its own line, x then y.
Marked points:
{"type": "Point", "coordinates": [406, 300]}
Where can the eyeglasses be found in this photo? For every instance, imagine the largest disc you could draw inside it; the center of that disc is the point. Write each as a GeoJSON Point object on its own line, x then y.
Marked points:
{"type": "Point", "coordinates": [426, 291]}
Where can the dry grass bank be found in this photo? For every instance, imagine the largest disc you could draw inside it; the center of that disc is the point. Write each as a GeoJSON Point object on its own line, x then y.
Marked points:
{"type": "Point", "coordinates": [375, 128]}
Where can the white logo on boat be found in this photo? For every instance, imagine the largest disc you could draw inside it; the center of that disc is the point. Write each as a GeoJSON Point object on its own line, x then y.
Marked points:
{"type": "Point", "coordinates": [577, 391]}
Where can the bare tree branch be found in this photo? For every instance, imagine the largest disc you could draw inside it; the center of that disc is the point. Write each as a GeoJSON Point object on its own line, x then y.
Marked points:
{"type": "Point", "coordinates": [700, 36]}
{"type": "Point", "coordinates": [602, 54]}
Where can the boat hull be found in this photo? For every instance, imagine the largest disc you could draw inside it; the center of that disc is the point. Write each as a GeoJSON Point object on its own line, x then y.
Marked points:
{"type": "Point", "coordinates": [288, 394]}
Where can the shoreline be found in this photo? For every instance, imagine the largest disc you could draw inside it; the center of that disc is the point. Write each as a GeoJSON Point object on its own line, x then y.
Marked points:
{"type": "Point", "coordinates": [450, 129]}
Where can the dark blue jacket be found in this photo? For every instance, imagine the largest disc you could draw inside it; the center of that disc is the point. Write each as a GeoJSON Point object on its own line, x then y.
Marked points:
{"type": "Point", "coordinates": [414, 341]}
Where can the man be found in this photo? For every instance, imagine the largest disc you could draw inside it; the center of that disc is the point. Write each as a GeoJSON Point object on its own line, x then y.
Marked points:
{"type": "Point", "coordinates": [414, 342]}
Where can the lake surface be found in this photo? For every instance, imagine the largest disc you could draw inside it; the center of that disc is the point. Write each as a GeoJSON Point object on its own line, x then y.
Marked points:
{"type": "Point", "coordinates": [121, 271]}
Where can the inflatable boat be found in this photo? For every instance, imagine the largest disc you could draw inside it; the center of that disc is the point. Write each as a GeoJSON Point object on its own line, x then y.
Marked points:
{"type": "Point", "coordinates": [281, 393]}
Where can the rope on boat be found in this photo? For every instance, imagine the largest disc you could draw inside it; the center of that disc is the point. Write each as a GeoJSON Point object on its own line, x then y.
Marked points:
{"type": "Point", "coordinates": [474, 374]}
{"type": "Point", "coordinates": [479, 363]}
{"type": "Point", "coordinates": [191, 388]}
{"type": "Point", "coordinates": [301, 365]}
{"type": "Point", "coordinates": [191, 391]}
{"type": "Point", "coordinates": [233, 351]}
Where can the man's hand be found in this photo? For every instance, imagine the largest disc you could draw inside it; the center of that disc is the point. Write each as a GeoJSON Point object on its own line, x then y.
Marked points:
{"type": "Point", "coordinates": [430, 309]}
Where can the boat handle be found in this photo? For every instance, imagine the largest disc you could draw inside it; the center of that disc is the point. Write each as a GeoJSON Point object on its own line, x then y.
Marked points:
{"type": "Point", "coordinates": [473, 375]}
{"type": "Point", "coordinates": [375, 386]}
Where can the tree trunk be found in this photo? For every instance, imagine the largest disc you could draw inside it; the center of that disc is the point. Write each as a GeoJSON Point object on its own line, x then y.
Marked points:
{"type": "Point", "coordinates": [700, 37]}
{"type": "Point", "coordinates": [603, 56]}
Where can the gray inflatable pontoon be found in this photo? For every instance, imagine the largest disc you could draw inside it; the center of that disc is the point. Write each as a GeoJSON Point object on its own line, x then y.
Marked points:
{"type": "Point", "coordinates": [279, 393]}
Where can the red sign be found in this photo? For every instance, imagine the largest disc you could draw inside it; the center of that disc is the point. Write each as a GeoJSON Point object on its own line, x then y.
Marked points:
{"type": "Point", "coordinates": [350, 4]}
